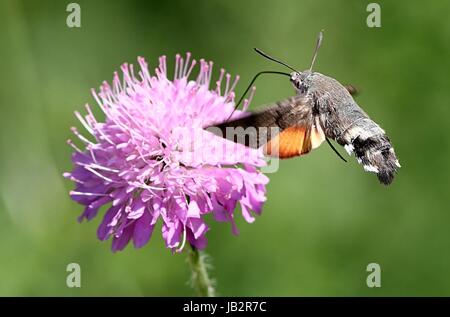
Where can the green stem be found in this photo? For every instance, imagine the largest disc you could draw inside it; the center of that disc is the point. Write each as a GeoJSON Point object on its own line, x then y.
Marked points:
{"type": "Point", "coordinates": [200, 280]}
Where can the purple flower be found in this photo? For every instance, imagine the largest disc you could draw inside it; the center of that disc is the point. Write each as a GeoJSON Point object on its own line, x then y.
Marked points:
{"type": "Point", "coordinates": [151, 159]}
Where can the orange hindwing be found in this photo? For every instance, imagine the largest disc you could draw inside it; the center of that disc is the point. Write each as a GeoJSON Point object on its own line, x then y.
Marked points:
{"type": "Point", "coordinates": [295, 141]}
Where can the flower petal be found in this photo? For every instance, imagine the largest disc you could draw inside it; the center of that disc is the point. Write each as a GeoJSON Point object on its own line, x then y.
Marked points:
{"type": "Point", "coordinates": [142, 230]}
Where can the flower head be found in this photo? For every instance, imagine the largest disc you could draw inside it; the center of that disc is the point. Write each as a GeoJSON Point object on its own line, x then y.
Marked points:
{"type": "Point", "coordinates": [151, 158]}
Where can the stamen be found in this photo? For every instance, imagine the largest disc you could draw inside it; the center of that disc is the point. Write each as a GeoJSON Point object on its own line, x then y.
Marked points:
{"type": "Point", "coordinates": [98, 174]}
{"type": "Point", "coordinates": [188, 57]}
{"type": "Point", "coordinates": [84, 123]}
{"type": "Point", "coordinates": [245, 104]}
{"type": "Point", "coordinates": [81, 137]}
{"type": "Point", "coordinates": [145, 75]}
{"type": "Point", "coordinates": [127, 75]}
{"type": "Point", "coordinates": [227, 76]}
{"type": "Point", "coordinates": [180, 68]}
{"type": "Point", "coordinates": [116, 83]}
{"type": "Point", "coordinates": [158, 73]}
{"type": "Point", "coordinates": [104, 168]}
{"type": "Point", "coordinates": [202, 72]}
{"type": "Point", "coordinates": [72, 192]}
{"type": "Point", "coordinates": [236, 79]}
{"type": "Point", "coordinates": [89, 111]}
{"type": "Point", "coordinates": [194, 62]}
{"type": "Point", "coordinates": [230, 96]}
{"type": "Point", "coordinates": [165, 64]}
{"type": "Point", "coordinates": [105, 137]}
{"type": "Point", "coordinates": [252, 93]}
{"type": "Point", "coordinates": [69, 141]}
{"type": "Point", "coordinates": [162, 65]}
{"type": "Point", "coordinates": [69, 176]}
{"type": "Point", "coordinates": [133, 78]}
{"type": "Point", "coordinates": [210, 73]}
{"type": "Point", "coordinates": [92, 154]}
{"type": "Point", "coordinates": [96, 97]}
{"type": "Point", "coordinates": [145, 186]}
{"type": "Point", "coordinates": [222, 72]}
{"type": "Point", "coordinates": [177, 61]}
{"type": "Point", "coordinates": [205, 74]}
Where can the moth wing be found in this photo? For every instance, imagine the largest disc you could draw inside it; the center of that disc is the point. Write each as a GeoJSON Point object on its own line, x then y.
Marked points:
{"type": "Point", "coordinates": [286, 128]}
{"type": "Point", "coordinates": [296, 140]}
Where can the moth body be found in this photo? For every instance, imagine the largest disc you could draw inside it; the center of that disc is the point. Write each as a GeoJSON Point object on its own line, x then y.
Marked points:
{"type": "Point", "coordinates": [345, 122]}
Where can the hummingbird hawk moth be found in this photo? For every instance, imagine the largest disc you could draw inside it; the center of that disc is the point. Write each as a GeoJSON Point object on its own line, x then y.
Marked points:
{"type": "Point", "coordinates": [322, 108]}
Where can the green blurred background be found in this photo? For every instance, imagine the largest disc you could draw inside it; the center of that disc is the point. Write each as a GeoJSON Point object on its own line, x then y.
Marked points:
{"type": "Point", "coordinates": [324, 220]}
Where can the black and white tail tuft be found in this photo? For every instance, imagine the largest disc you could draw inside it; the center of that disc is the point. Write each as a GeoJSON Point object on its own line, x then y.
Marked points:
{"type": "Point", "coordinates": [376, 155]}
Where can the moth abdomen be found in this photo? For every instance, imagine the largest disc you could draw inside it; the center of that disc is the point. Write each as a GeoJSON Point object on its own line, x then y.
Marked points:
{"type": "Point", "coordinates": [376, 155]}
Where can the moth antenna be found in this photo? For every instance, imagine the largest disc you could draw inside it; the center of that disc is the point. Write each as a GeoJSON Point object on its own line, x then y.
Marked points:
{"type": "Point", "coordinates": [316, 50]}
{"type": "Point", "coordinates": [251, 84]}
{"type": "Point", "coordinates": [274, 59]}
{"type": "Point", "coordinates": [335, 151]}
